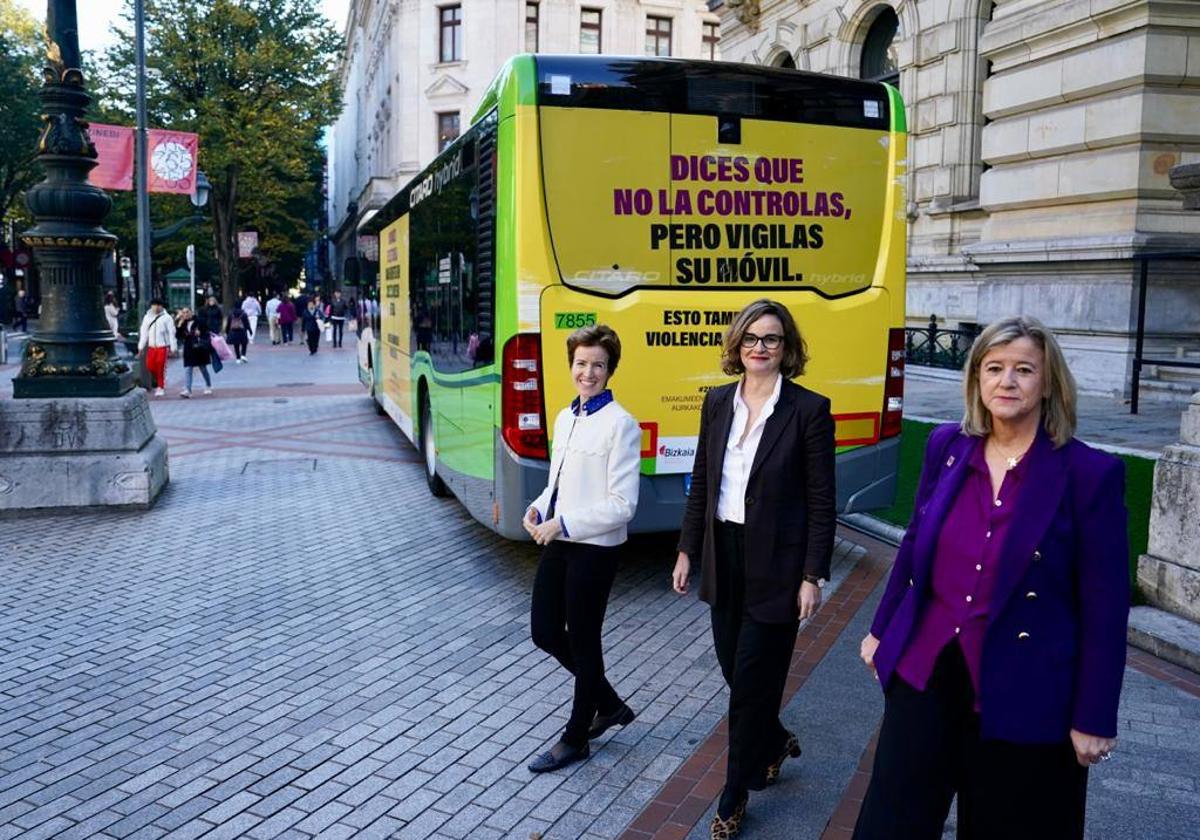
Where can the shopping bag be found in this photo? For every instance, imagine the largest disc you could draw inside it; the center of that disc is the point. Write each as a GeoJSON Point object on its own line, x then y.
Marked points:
{"type": "Point", "coordinates": [328, 333]}
{"type": "Point", "coordinates": [222, 348]}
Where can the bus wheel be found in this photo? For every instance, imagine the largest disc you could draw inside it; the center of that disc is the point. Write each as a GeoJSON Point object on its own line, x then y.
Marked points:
{"type": "Point", "coordinates": [429, 452]}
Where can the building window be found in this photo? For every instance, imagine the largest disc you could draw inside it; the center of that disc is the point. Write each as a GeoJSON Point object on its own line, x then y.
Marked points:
{"type": "Point", "coordinates": [447, 129]}
{"type": "Point", "coordinates": [658, 35]}
{"type": "Point", "coordinates": [589, 31]}
{"type": "Point", "coordinates": [879, 49]}
{"type": "Point", "coordinates": [712, 37]}
{"type": "Point", "coordinates": [450, 34]}
{"type": "Point", "coordinates": [531, 27]}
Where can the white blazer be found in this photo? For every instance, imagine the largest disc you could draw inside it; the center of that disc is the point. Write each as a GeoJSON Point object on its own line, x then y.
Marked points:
{"type": "Point", "coordinates": [597, 459]}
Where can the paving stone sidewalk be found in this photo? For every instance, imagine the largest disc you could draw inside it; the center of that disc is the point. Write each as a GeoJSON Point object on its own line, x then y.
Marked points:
{"type": "Point", "coordinates": [298, 641]}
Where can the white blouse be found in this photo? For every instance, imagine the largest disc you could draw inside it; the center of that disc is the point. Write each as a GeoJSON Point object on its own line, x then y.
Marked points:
{"type": "Point", "coordinates": [597, 458]}
{"type": "Point", "coordinates": [739, 457]}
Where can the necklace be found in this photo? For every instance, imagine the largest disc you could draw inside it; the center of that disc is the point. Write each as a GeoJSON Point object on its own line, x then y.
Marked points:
{"type": "Point", "coordinates": [1010, 460]}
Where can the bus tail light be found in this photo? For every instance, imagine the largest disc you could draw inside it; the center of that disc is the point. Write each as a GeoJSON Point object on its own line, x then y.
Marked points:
{"type": "Point", "coordinates": [522, 407]}
{"type": "Point", "coordinates": [893, 385]}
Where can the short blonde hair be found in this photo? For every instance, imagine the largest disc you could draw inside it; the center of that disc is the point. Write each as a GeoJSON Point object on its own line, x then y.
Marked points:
{"type": "Point", "coordinates": [795, 350]}
{"type": "Point", "coordinates": [1059, 393]}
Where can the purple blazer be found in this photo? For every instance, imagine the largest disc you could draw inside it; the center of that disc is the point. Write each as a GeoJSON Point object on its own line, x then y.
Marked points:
{"type": "Point", "coordinates": [1054, 648]}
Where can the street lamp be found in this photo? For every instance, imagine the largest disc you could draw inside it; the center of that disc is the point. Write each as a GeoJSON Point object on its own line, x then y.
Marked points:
{"type": "Point", "coordinates": [199, 198]}
{"type": "Point", "coordinates": [70, 353]}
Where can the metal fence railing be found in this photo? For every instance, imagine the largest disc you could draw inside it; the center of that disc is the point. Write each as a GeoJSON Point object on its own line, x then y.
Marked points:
{"type": "Point", "coordinates": [1139, 359]}
{"type": "Point", "coordinates": [934, 346]}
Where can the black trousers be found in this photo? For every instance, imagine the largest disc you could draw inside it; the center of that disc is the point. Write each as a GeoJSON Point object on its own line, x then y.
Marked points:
{"type": "Point", "coordinates": [570, 597]}
{"type": "Point", "coordinates": [754, 657]}
{"type": "Point", "coordinates": [285, 333]}
{"type": "Point", "coordinates": [339, 326]}
{"type": "Point", "coordinates": [313, 337]}
{"type": "Point", "coordinates": [930, 749]}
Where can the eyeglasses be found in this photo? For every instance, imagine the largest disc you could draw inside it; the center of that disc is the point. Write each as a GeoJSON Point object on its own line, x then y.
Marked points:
{"type": "Point", "coordinates": [771, 341]}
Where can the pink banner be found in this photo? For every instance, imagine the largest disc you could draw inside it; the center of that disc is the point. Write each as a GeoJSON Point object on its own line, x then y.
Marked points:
{"type": "Point", "coordinates": [172, 160]}
{"type": "Point", "coordinates": [114, 145]}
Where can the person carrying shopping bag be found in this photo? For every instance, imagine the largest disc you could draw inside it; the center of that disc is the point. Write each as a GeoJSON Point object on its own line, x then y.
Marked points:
{"type": "Point", "coordinates": [156, 338]}
{"type": "Point", "coordinates": [195, 339]}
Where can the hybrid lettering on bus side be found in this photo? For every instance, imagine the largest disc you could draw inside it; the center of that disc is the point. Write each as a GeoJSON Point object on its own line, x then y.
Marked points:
{"type": "Point", "coordinates": [436, 181]}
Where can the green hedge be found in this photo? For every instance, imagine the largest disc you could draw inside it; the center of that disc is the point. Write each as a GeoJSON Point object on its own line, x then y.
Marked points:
{"type": "Point", "coordinates": [1139, 484]}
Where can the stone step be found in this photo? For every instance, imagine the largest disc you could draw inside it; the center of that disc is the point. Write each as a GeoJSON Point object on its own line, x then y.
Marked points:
{"type": "Point", "coordinates": [1165, 635]}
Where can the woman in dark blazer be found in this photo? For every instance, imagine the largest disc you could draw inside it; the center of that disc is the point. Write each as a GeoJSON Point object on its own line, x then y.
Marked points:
{"type": "Point", "coordinates": [1000, 639]}
{"type": "Point", "coordinates": [761, 518]}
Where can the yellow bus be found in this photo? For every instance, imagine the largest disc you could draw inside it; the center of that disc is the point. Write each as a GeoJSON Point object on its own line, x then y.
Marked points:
{"type": "Point", "coordinates": [657, 196]}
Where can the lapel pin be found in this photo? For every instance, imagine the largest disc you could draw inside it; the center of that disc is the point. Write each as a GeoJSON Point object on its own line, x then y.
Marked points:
{"type": "Point", "coordinates": [950, 461]}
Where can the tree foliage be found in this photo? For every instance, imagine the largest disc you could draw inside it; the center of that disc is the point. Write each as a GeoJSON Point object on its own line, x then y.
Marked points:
{"type": "Point", "coordinates": [20, 58]}
{"type": "Point", "coordinates": [255, 79]}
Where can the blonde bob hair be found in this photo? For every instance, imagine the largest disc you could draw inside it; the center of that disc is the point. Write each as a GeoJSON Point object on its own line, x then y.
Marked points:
{"type": "Point", "coordinates": [795, 350]}
{"type": "Point", "coordinates": [1058, 385]}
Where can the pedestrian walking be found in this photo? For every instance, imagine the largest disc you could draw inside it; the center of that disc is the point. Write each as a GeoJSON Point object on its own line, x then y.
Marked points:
{"type": "Point", "coordinates": [338, 309]}
{"type": "Point", "coordinates": [237, 333]}
{"type": "Point", "coordinates": [287, 320]}
{"type": "Point", "coordinates": [1000, 638]}
{"type": "Point", "coordinates": [112, 314]}
{"type": "Point", "coordinates": [760, 517]}
{"type": "Point", "coordinates": [253, 311]}
{"type": "Point", "coordinates": [156, 338]}
{"type": "Point", "coordinates": [21, 307]}
{"type": "Point", "coordinates": [193, 336]}
{"type": "Point", "coordinates": [580, 518]}
{"type": "Point", "coordinates": [273, 318]}
{"type": "Point", "coordinates": [213, 316]}
{"type": "Point", "coordinates": [311, 327]}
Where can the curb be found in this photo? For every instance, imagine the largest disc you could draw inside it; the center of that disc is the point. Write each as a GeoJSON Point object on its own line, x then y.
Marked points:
{"type": "Point", "coordinates": [1169, 637]}
{"type": "Point", "coordinates": [873, 526]}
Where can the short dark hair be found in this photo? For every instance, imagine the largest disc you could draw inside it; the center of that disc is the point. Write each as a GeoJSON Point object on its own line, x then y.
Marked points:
{"type": "Point", "coordinates": [158, 302]}
{"type": "Point", "coordinates": [795, 350]}
{"type": "Point", "coordinates": [597, 335]}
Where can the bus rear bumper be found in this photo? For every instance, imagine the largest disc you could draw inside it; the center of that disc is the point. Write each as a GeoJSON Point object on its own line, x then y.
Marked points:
{"type": "Point", "coordinates": [866, 477]}
{"type": "Point", "coordinates": [866, 480]}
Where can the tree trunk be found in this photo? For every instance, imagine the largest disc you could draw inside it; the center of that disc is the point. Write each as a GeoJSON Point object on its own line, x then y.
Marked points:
{"type": "Point", "coordinates": [224, 206]}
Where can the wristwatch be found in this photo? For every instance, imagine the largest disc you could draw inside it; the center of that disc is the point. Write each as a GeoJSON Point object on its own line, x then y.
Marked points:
{"type": "Point", "coordinates": [815, 580]}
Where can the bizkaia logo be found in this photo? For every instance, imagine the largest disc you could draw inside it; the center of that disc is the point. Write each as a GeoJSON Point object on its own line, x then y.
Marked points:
{"type": "Point", "coordinates": [675, 454]}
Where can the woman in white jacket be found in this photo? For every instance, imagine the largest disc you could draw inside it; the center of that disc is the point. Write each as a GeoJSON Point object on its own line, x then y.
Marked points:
{"type": "Point", "coordinates": [581, 520]}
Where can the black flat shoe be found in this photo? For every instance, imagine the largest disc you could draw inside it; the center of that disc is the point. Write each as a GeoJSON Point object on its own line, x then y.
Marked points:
{"type": "Point", "coordinates": [558, 756]}
{"type": "Point", "coordinates": [621, 717]}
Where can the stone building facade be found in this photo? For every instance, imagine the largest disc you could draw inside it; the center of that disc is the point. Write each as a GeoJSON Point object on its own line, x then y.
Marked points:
{"type": "Point", "coordinates": [413, 71]}
{"type": "Point", "coordinates": [1042, 134]}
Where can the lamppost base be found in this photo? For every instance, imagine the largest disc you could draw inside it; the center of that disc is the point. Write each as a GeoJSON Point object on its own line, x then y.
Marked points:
{"type": "Point", "coordinates": [66, 454]}
{"type": "Point", "coordinates": [72, 387]}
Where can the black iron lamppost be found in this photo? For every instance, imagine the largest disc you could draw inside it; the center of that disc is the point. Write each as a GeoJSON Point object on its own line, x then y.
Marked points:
{"type": "Point", "coordinates": [71, 352]}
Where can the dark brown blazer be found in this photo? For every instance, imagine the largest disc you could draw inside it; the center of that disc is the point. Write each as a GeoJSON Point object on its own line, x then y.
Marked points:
{"type": "Point", "coordinates": [790, 499]}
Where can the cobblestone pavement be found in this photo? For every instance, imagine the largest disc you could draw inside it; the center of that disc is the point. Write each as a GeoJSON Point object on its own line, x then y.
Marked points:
{"type": "Point", "coordinates": [297, 641]}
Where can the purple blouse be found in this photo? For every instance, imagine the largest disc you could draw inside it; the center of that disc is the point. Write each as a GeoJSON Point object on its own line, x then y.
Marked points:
{"type": "Point", "coordinates": [964, 573]}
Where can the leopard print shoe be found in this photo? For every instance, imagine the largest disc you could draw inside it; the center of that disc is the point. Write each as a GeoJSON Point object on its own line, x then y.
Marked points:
{"type": "Point", "coordinates": [791, 749]}
{"type": "Point", "coordinates": [726, 828]}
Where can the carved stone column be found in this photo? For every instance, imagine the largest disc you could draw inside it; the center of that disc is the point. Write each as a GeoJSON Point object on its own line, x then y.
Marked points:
{"type": "Point", "coordinates": [1169, 573]}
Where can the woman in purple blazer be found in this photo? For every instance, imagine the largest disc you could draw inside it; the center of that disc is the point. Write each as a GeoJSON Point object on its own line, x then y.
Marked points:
{"type": "Point", "coordinates": [1000, 639]}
